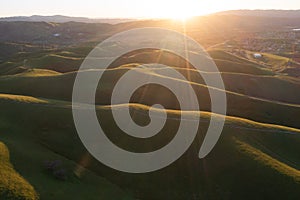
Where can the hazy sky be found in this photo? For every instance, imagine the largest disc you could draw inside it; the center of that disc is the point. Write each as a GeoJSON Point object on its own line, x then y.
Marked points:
{"type": "Point", "coordinates": [135, 8]}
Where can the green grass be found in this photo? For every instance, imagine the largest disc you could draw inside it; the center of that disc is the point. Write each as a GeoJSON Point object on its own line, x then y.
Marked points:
{"type": "Point", "coordinates": [37, 72]}
{"type": "Point", "coordinates": [29, 152]}
{"type": "Point", "coordinates": [20, 98]}
{"type": "Point", "coordinates": [256, 155]}
{"type": "Point", "coordinates": [12, 185]}
{"type": "Point", "coordinates": [55, 62]}
{"type": "Point", "coordinates": [69, 59]}
{"type": "Point", "coordinates": [60, 60]}
{"type": "Point", "coordinates": [274, 62]}
{"type": "Point", "coordinates": [87, 184]}
{"type": "Point", "coordinates": [47, 132]}
{"type": "Point", "coordinates": [249, 96]}
{"type": "Point", "coordinates": [269, 161]}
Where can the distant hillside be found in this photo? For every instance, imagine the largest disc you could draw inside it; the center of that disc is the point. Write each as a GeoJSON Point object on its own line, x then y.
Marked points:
{"type": "Point", "coordinates": [264, 13]}
{"type": "Point", "coordinates": [63, 19]}
{"type": "Point", "coordinates": [203, 29]}
{"type": "Point", "coordinates": [50, 33]}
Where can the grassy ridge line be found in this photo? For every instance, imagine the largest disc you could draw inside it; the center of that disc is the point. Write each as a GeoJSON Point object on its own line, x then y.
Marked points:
{"type": "Point", "coordinates": [269, 161]}
{"type": "Point", "coordinates": [45, 60]}
{"type": "Point", "coordinates": [153, 70]}
{"type": "Point", "coordinates": [177, 68]}
{"type": "Point", "coordinates": [218, 89]}
{"type": "Point", "coordinates": [67, 61]}
{"type": "Point", "coordinates": [216, 54]}
{"type": "Point", "coordinates": [37, 72]}
{"type": "Point", "coordinates": [12, 185]}
{"type": "Point", "coordinates": [231, 121]}
{"type": "Point", "coordinates": [45, 72]}
{"type": "Point", "coordinates": [55, 130]}
{"type": "Point", "coordinates": [170, 78]}
{"type": "Point", "coordinates": [228, 76]}
{"type": "Point", "coordinates": [225, 62]}
{"type": "Point", "coordinates": [236, 122]}
{"type": "Point", "coordinates": [64, 57]}
{"type": "Point", "coordinates": [60, 88]}
{"type": "Point", "coordinates": [131, 65]}
{"type": "Point", "coordinates": [21, 98]}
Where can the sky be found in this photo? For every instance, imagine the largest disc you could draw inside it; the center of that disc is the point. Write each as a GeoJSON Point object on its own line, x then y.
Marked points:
{"type": "Point", "coordinates": [135, 8]}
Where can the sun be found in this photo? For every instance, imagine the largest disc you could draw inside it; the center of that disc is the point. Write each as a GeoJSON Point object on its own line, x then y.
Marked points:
{"type": "Point", "coordinates": [181, 17]}
{"type": "Point", "coordinates": [179, 9]}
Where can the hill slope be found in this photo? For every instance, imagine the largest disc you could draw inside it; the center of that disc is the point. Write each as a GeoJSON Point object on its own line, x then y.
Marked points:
{"type": "Point", "coordinates": [12, 184]}
{"type": "Point", "coordinates": [87, 184]}
{"type": "Point", "coordinates": [229, 171]}
{"type": "Point", "coordinates": [249, 96]}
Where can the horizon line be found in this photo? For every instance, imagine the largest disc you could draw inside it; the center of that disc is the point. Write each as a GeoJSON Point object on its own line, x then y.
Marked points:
{"type": "Point", "coordinates": [143, 17]}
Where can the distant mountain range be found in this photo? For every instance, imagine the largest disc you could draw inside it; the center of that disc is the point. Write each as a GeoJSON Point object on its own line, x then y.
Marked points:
{"type": "Point", "coordinates": [63, 19]}
{"type": "Point", "coordinates": [264, 13]}
{"type": "Point", "coordinates": [74, 30]}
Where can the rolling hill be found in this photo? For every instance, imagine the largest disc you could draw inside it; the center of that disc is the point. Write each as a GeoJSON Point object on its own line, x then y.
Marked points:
{"type": "Point", "coordinates": [264, 13]}
{"type": "Point", "coordinates": [12, 185]}
{"type": "Point", "coordinates": [45, 121]}
{"type": "Point", "coordinates": [249, 86]}
{"type": "Point", "coordinates": [248, 156]}
{"type": "Point", "coordinates": [64, 19]}
{"type": "Point", "coordinates": [42, 157]}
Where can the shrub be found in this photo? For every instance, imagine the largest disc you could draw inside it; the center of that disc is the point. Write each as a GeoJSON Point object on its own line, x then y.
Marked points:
{"type": "Point", "coordinates": [52, 165]}
{"type": "Point", "coordinates": [55, 168]}
{"type": "Point", "coordinates": [60, 174]}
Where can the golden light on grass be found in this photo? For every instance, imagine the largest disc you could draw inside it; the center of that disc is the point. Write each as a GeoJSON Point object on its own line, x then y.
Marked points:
{"type": "Point", "coordinates": [12, 184]}
{"type": "Point", "coordinates": [268, 161]}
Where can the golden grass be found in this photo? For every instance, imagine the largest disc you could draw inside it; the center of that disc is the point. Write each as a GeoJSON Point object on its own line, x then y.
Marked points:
{"type": "Point", "coordinates": [277, 62]}
{"type": "Point", "coordinates": [63, 57]}
{"type": "Point", "coordinates": [21, 98]}
{"type": "Point", "coordinates": [230, 121]}
{"type": "Point", "coordinates": [12, 184]}
{"type": "Point", "coordinates": [250, 123]}
{"type": "Point", "coordinates": [269, 161]}
{"type": "Point", "coordinates": [38, 72]}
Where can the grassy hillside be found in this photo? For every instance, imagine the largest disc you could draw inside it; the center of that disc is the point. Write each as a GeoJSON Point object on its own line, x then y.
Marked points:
{"type": "Point", "coordinates": [264, 98]}
{"type": "Point", "coordinates": [282, 64]}
{"type": "Point", "coordinates": [30, 163]}
{"type": "Point", "coordinates": [70, 59]}
{"type": "Point", "coordinates": [9, 49]}
{"type": "Point", "coordinates": [42, 156]}
{"type": "Point", "coordinates": [43, 32]}
{"type": "Point", "coordinates": [269, 161]}
{"type": "Point", "coordinates": [229, 171]}
{"type": "Point", "coordinates": [60, 59]}
{"type": "Point", "coordinates": [255, 158]}
{"type": "Point", "coordinates": [12, 185]}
